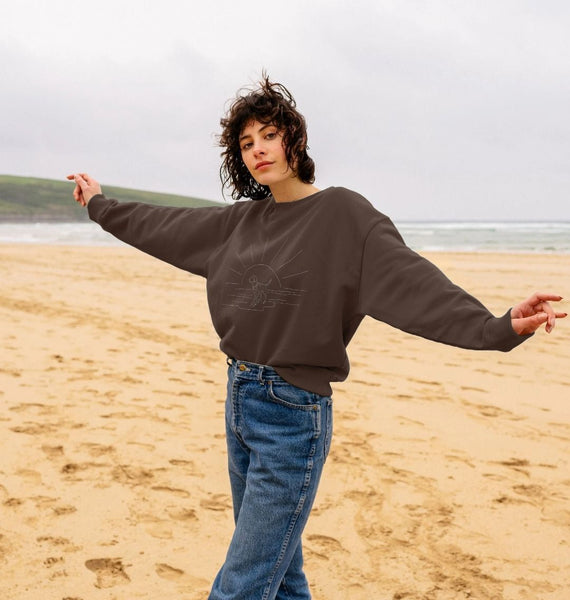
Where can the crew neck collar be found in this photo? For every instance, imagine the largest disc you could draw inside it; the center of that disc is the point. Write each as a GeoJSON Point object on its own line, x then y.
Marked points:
{"type": "Point", "coordinates": [304, 200]}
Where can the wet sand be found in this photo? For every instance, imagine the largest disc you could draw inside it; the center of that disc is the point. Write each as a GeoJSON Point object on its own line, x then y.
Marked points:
{"type": "Point", "coordinates": [448, 476]}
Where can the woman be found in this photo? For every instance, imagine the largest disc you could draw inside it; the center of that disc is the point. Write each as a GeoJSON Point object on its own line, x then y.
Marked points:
{"type": "Point", "coordinates": [289, 279]}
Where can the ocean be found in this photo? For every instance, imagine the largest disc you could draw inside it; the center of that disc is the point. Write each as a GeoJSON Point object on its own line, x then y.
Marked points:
{"type": "Point", "coordinates": [460, 236]}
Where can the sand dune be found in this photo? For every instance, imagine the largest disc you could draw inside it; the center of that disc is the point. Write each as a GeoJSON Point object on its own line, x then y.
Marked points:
{"type": "Point", "coordinates": [448, 476]}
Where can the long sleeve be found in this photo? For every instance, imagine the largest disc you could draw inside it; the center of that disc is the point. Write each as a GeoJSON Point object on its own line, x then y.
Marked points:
{"type": "Point", "coordinates": [403, 289]}
{"type": "Point", "coordinates": [183, 237]}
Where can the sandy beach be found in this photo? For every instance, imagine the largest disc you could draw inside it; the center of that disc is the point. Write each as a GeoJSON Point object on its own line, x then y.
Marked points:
{"type": "Point", "coordinates": [448, 477]}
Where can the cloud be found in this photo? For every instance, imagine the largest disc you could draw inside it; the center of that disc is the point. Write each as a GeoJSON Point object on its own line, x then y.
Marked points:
{"type": "Point", "coordinates": [430, 109]}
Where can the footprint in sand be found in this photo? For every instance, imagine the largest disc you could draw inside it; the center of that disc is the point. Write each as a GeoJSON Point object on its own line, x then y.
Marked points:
{"type": "Point", "coordinates": [188, 465]}
{"type": "Point", "coordinates": [30, 476]}
{"type": "Point", "coordinates": [184, 514]}
{"type": "Point", "coordinates": [55, 565]}
{"type": "Point", "coordinates": [217, 502]}
{"type": "Point", "coordinates": [34, 428]}
{"type": "Point", "coordinates": [530, 490]}
{"type": "Point", "coordinates": [54, 541]}
{"type": "Point", "coordinates": [110, 572]}
{"type": "Point", "coordinates": [40, 409]}
{"type": "Point", "coordinates": [516, 464]}
{"type": "Point", "coordinates": [175, 491]}
{"type": "Point", "coordinates": [53, 452]}
{"type": "Point", "coordinates": [96, 450]}
{"type": "Point", "coordinates": [160, 529]}
{"type": "Point", "coordinates": [323, 545]}
{"type": "Point", "coordinates": [131, 475]}
{"type": "Point", "coordinates": [64, 510]}
{"type": "Point", "coordinates": [13, 502]}
{"type": "Point", "coordinates": [167, 572]}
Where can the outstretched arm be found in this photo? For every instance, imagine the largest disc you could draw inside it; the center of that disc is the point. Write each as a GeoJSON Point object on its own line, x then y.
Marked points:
{"type": "Point", "coordinates": [530, 314]}
{"type": "Point", "coordinates": [405, 290]}
{"type": "Point", "coordinates": [185, 237]}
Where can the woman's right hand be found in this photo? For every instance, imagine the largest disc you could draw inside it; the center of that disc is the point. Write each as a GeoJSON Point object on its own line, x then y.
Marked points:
{"type": "Point", "coordinates": [85, 188]}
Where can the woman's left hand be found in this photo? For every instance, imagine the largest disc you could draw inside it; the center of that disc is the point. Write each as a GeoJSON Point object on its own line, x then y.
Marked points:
{"type": "Point", "coordinates": [530, 314]}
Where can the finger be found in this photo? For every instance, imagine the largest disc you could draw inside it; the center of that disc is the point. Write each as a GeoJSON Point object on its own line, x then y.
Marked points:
{"type": "Point", "coordinates": [551, 322]}
{"type": "Point", "coordinates": [545, 306]}
{"type": "Point", "coordinates": [530, 324]}
{"type": "Point", "coordinates": [80, 181]}
{"type": "Point", "coordinates": [87, 178]}
{"type": "Point", "coordinates": [77, 192]}
{"type": "Point", "coordinates": [539, 297]}
{"type": "Point", "coordinates": [78, 195]}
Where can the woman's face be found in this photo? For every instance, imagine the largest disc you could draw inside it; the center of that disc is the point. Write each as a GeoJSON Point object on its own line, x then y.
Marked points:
{"type": "Point", "coordinates": [263, 153]}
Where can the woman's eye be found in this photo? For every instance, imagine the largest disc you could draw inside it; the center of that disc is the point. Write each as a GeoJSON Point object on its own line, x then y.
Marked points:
{"type": "Point", "coordinates": [246, 146]}
{"type": "Point", "coordinates": [271, 135]}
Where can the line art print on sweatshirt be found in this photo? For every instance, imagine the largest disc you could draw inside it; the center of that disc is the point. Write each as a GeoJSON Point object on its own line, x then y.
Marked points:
{"type": "Point", "coordinates": [258, 285]}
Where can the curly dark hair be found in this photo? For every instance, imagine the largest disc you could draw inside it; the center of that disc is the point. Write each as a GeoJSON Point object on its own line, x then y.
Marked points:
{"type": "Point", "coordinates": [268, 103]}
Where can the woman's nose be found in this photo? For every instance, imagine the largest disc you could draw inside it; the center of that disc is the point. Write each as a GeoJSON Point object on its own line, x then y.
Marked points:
{"type": "Point", "coordinates": [258, 149]}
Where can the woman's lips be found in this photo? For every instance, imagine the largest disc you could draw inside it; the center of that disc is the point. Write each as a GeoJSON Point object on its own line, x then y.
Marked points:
{"type": "Point", "coordinates": [262, 164]}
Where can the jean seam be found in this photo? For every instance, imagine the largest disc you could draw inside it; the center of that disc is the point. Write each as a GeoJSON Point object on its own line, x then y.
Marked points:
{"type": "Point", "coordinates": [285, 588]}
{"type": "Point", "coordinates": [236, 414]}
{"type": "Point", "coordinates": [328, 429]}
{"type": "Point", "coordinates": [295, 518]}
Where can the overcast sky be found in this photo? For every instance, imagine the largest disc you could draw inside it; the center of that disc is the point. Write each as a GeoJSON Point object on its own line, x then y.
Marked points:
{"type": "Point", "coordinates": [432, 109]}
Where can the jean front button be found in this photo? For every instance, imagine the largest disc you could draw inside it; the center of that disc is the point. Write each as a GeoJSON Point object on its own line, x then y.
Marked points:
{"type": "Point", "coordinates": [242, 368]}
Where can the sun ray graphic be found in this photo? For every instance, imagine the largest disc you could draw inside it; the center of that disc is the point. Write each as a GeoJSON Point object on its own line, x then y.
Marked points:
{"type": "Point", "coordinates": [258, 285]}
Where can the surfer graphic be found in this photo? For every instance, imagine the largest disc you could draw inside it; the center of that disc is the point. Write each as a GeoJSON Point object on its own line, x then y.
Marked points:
{"type": "Point", "coordinates": [259, 290]}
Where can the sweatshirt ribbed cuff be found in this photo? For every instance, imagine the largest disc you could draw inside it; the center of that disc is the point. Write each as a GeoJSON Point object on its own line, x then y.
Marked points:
{"type": "Point", "coordinates": [499, 333]}
{"type": "Point", "coordinates": [95, 206]}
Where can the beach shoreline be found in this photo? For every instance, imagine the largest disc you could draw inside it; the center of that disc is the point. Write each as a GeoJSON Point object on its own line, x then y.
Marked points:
{"type": "Point", "coordinates": [512, 237]}
{"type": "Point", "coordinates": [447, 477]}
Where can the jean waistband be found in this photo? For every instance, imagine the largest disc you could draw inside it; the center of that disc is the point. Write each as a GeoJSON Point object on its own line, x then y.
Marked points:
{"type": "Point", "coordinates": [248, 370]}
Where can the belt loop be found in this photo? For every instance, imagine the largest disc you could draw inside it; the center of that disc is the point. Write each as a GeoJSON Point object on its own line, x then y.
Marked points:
{"type": "Point", "coordinates": [260, 376]}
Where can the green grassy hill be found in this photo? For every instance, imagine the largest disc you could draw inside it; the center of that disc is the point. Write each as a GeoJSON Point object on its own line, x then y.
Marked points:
{"type": "Point", "coordinates": [32, 199]}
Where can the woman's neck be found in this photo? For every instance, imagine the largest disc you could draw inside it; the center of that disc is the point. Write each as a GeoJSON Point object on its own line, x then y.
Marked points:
{"type": "Point", "coordinates": [291, 190]}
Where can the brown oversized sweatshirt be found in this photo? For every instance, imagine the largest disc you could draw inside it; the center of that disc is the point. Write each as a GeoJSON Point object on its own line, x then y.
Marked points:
{"type": "Point", "coordinates": [289, 283]}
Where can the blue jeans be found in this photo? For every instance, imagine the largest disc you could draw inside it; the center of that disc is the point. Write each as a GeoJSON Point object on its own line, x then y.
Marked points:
{"type": "Point", "coordinates": [278, 438]}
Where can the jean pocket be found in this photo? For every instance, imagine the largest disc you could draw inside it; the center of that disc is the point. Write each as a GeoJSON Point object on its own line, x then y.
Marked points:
{"type": "Point", "coordinates": [292, 396]}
